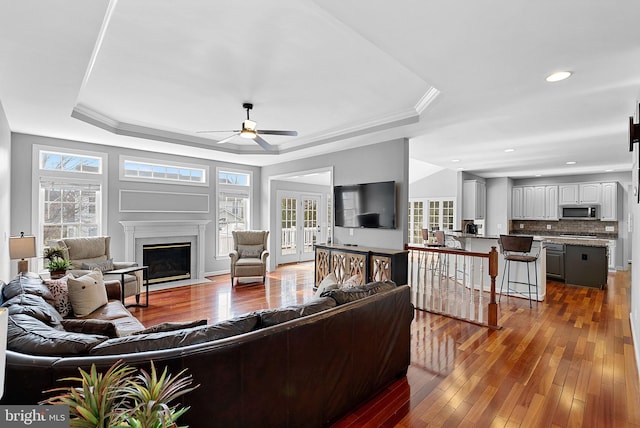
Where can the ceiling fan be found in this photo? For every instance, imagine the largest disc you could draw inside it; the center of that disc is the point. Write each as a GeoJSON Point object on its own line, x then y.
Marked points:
{"type": "Point", "coordinates": [249, 130]}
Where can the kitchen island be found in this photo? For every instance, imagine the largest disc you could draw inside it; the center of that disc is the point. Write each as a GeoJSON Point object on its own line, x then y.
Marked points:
{"type": "Point", "coordinates": [585, 260]}
{"type": "Point", "coordinates": [483, 244]}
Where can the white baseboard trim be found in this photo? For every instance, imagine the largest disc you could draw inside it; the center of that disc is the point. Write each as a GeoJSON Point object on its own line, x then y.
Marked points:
{"type": "Point", "coordinates": [217, 272]}
{"type": "Point", "coordinates": [636, 343]}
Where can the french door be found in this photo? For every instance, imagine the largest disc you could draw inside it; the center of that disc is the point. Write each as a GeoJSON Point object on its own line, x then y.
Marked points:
{"type": "Point", "coordinates": [299, 226]}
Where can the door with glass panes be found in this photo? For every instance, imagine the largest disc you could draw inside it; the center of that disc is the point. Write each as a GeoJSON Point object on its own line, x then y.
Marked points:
{"type": "Point", "coordinates": [299, 227]}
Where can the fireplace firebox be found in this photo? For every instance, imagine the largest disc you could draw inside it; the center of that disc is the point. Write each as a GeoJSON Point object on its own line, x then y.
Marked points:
{"type": "Point", "coordinates": [167, 262]}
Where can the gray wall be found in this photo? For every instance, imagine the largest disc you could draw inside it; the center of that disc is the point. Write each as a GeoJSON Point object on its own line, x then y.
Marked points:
{"type": "Point", "coordinates": [379, 162]}
{"type": "Point", "coordinates": [21, 186]}
{"type": "Point", "coordinates": [498, 206]}
{"type": "Point", "coordinates": [5, 197]}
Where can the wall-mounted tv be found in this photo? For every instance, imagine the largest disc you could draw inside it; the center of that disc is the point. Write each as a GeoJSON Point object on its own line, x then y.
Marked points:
{"type": "Point", "coordinates": [368, 205]}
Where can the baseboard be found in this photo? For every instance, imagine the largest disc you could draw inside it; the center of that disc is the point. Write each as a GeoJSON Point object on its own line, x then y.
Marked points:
{"type": "Point", "coordinates": [636, 344]}
{"type": "Point", "coordinates": [217, 272]}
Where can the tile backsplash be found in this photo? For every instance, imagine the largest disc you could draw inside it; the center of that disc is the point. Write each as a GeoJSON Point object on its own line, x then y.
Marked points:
{"type": "Point", "coordinates": [601, 229]}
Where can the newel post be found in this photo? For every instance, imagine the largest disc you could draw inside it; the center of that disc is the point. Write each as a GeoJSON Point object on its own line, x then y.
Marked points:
{"type": "Point", "coordinates": [493, 273]}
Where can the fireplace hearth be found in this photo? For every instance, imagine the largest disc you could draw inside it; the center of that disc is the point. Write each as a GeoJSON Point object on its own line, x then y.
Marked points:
{"type": "Point", "coordinates": [167, 262]}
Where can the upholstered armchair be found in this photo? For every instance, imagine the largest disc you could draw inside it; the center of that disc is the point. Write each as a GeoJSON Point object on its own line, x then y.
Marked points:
{"type": "Point", "coordinates": [94, 252]}
{"type": "Point", "coordinates": [249, 255]}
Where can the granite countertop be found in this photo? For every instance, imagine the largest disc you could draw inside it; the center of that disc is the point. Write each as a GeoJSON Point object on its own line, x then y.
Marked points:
{"type": "Point", "coordinates": [586, 242]}
{"type": "Point", "coordinates": [567, 240]}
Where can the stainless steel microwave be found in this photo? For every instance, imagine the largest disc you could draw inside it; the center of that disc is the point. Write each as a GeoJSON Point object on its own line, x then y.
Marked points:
{"type": "Point", "coordinates": [580, 213]}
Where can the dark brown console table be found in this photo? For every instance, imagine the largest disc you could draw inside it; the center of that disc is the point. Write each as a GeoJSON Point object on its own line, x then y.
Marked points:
{"type": "Point", "coordinates": [145, 276]}
{"type": "Point", "coordinates": [374, 264]}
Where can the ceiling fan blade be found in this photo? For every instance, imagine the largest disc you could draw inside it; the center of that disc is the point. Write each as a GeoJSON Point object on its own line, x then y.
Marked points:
{"type": "Point", "coordinates": [207, 132]}
{"type": "Point", "coordinates": [270, 132]}
{"type": "Point", "coordinates": [229, 138]}
{"type": "Point", "coordinates": [263, 143]}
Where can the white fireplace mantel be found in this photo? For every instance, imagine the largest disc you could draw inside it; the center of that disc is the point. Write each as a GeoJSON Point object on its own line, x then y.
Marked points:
{"type": "Point", "coordinates": [166, 228]}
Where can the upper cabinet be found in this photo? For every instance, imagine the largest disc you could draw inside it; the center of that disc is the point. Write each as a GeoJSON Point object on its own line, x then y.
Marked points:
{"type": "Point", "coordinates": [474, 194]}
{"type": "Point", "coordinates": [609, 207]}
{"type": "Point", "coordinates": [543, 202]}
{"type": "Point", "coordinates": [517, 203]}
{"type": "Point", "coordinates": [534, 203]}
{"type": "Point", "coordinates": [580, 194]}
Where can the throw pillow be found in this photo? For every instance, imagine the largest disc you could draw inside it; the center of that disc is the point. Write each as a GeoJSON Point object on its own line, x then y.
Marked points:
{"type": "Point", "coordinates": [171, 326]}
{"type": "Point", "coordinates": [60, 293]}
{"type": "Point", "coordinates": [87, 293]}
{"type": "Point", "coordinates": [90, 326]}
{"type": "Point", "coordinates": [102, 266]}
{"type": "Point", "coordinates": [352, 282]}
{"type": "Point", "coordinates": [250, 251]}
{"type": "Point", "coordinates": [328, 283]}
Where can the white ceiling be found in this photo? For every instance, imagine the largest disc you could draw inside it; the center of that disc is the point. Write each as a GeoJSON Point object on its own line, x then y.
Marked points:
{"type": "Point", "coordinates": [462, 80]}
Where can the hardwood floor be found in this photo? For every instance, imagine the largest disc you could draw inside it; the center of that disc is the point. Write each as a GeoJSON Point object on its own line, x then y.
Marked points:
{"type": "Point", "coordinates": [569, 361]}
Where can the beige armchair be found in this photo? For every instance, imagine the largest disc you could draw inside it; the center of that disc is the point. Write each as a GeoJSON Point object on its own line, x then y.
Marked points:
{"type": "Point", "coordinates": [249, 255]}
{"type": "Point", "coordinates": [93, 252]}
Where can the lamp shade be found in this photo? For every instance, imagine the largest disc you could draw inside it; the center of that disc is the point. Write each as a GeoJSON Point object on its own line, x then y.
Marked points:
{"type": "Point", "coordinates": [4, 315]}
{"type": "Point", "coordinates": [22, 247]}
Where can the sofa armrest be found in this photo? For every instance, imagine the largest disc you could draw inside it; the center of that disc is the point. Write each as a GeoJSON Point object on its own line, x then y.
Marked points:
{"type": "Point", "coordinates": [234, 256]}
{"type": "Point", "coordinates": [264, 256]}
{"type": "Point", "coordinates": [123, 265]}
{"type": "Point", "coordinates": [114, 290]}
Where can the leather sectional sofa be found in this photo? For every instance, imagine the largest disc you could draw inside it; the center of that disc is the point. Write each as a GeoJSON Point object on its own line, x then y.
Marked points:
{"type": "Point", "coordinates": [296, 366]}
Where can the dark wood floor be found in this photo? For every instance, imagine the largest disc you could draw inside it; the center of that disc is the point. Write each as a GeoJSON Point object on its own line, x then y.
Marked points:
{"type": "Point", "coordinates": [569, 361]}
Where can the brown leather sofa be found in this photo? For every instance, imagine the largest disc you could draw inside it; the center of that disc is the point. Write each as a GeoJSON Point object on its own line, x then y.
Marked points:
{"type": "Point", "coordinates": [277, 368]}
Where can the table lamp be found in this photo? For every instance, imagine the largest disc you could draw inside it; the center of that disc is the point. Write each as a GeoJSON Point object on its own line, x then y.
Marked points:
{"type": "Point", "coordinates": [22, 247]}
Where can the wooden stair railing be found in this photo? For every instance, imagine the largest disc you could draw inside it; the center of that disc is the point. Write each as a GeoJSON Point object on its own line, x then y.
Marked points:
{"type": "Point", "coordinates": [455, 283]}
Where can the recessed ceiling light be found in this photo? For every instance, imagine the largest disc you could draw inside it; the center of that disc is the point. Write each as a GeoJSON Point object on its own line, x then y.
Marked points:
{"type": "Point", "coordinates": [571, 163]}
{"type": "Point", "coordinates": [538, 175]}
{"type": "Point", "coordinates": [455, 160]}
{"type": "Point", "coordinates": [509, 150]}
{"type": "Point", "coordinates": [608, 170]}
{"type": "Point", "coordinates": [558, 76]}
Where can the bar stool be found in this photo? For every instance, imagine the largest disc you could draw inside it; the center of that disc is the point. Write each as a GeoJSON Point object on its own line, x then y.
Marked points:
{"type": "Point", "coordinates": [518, 249]}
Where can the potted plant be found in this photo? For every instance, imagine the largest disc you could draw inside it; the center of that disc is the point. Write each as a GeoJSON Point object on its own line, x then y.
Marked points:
{"type": "Point", "coordinates": [120, 397]}
{"type": "Point", "coordinates": [56, 262]}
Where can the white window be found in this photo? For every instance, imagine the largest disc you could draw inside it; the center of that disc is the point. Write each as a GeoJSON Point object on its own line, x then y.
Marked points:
{"type": "Point", "coordinates": [234, 206]}
{"type": "Point", "coordinates": [70, 193]}
{"type": "Point", "coordinates": [416, 221]}
{"type": "Point", "coordinates": [133, 169]}
{"type": "Point", "coordinates": [432, 214]}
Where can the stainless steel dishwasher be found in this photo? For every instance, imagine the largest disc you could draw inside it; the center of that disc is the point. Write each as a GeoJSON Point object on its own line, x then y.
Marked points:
{"type": "Point", "coordinates": [555, 260]}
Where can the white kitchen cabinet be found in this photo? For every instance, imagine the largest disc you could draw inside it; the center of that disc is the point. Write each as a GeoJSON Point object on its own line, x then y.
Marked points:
{"type": "Point", "coordinates": [612, 254]}
{"type": "Point", "coordinates": [474, 194]}
{"type": "Point", "coordinates": [551, 203]}
{"type": "Point", "coordinates": [534, 203]}
{"type": "Point", "coordinates": [609, 208]}
{"type": "Point", "coordinates": [517, 203]}
{"type": "Point", "coordinates": [590, 193]}
{"type": "Point", "coordinates": [569, 194]}
{"type": "Point", "coordinates": [579, 194]}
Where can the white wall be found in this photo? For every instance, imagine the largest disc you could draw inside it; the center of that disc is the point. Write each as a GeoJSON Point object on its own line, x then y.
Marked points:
{"type": "Point", "coordinates": [21, 187]}
{"type": "Point", "coordinates": [385, 161]}
{"type": "Point", "coordinates": [5, 196]}
{"type": "Point", "coordinates": [634, 219]}
{"type": "Point", "coordinates": [442, 184]}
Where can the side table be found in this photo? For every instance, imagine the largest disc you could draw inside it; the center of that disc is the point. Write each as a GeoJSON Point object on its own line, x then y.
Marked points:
{"type": "Point", "coordinates": [145, 276]}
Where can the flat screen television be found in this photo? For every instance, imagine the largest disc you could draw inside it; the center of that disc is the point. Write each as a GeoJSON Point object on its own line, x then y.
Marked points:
{"type": "Point", "coordinates": [368, 205]}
